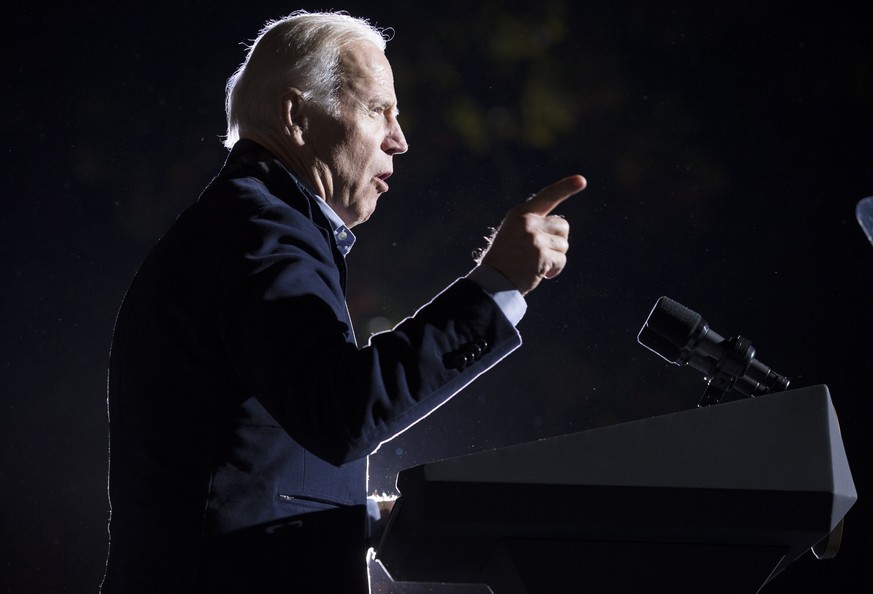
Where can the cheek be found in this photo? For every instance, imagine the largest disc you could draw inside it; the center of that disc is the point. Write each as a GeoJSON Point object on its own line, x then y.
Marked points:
{"type": "Point", "coordinates": [359, 162]}
{"type": "Point", "coordinates": [354, 158]}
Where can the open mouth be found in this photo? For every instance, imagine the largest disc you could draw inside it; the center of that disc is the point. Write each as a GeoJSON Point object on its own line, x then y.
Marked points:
{"type": "Point", "coordinates": [381, 181]}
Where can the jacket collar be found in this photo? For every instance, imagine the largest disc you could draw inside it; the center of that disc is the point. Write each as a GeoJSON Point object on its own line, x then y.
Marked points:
{"type": "Point", "coordinates": [247, 158]}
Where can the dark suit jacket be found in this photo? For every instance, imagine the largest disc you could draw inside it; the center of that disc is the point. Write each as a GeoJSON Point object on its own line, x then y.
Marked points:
{"type": "Point", "coordinates": [237, 393]}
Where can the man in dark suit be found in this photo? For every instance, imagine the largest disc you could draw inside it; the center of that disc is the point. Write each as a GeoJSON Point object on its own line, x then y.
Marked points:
{"type": "Point", "coordinates": [241, 408]}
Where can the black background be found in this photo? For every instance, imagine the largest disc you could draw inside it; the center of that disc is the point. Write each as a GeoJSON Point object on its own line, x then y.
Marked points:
{"type": "Point", "coordinates": [726, 146]}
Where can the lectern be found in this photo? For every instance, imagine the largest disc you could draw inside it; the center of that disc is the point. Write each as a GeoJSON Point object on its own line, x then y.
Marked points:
{"type": "Point", "coordinates": [715, 499]}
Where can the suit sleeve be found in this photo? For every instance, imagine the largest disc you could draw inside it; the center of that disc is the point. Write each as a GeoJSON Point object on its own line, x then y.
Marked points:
{"type": "Point", "coordinates": [288, 335]}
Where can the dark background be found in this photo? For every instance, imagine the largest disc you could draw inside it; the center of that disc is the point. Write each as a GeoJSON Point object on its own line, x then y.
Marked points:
{"type": "Point", "coordinates": [725, 146]}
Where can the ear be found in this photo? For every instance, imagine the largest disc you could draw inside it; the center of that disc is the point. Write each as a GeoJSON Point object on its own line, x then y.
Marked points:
{"type": "Point", "coordinates": [293, 114]}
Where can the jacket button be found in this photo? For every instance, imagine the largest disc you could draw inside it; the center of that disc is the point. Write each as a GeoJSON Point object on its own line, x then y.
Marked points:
{"type": "Point", "coordinates": [465, 359]}
{"type": "Point", "coordinates": [466, 354]}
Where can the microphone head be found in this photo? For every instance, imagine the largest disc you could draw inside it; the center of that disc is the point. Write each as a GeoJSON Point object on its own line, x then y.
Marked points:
{"type": "Point", "coordinates": [671, 329]}
{"type": "Point", "coordinates": [864, 213]}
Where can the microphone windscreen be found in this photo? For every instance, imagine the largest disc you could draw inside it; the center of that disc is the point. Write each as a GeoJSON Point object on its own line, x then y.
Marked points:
{"type": "Point", "coordinates": [669, 329]}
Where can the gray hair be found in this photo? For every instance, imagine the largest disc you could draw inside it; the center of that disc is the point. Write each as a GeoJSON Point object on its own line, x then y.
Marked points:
{"type": "Point", "coordinates": [301, 50]}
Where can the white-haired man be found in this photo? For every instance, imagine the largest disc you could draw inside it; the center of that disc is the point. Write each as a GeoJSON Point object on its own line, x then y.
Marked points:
{"type": "Point", "coordinates": [241, 408]}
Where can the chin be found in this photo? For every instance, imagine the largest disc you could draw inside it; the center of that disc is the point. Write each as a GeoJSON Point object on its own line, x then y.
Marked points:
{"type": "Point", "coordinates": [363, 218]}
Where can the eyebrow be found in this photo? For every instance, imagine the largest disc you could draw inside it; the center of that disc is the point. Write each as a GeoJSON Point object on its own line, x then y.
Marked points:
{"type": "Point", "coordinates": [385, 104]}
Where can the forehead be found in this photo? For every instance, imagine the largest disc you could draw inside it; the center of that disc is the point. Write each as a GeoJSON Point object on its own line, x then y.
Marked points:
{"type": "Point", "coordinates": [365, 70]}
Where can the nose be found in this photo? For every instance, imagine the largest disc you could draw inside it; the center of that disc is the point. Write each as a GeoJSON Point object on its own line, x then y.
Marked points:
{"type": "Point", "coordinates": [395, 141]}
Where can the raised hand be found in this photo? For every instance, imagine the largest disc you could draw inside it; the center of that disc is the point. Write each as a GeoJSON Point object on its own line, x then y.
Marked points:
{"type": "Point", "coordinates": [531, 243]}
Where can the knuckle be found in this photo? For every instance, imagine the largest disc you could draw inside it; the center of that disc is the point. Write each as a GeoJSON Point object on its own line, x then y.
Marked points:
{"type": "Point", "coordinates": [529, 222]}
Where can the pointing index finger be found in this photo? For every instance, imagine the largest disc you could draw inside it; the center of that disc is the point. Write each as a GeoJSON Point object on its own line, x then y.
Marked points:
{"type": "Point", "coordinates": [544, 201]}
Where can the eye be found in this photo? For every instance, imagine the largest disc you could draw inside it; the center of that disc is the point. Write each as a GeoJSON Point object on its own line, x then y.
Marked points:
{"type": "Point", "coordinates": [384, 110]}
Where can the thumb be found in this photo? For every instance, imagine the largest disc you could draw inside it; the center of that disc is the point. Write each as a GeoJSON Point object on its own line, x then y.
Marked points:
{"type": "Point", "coordinates": [544, 201]}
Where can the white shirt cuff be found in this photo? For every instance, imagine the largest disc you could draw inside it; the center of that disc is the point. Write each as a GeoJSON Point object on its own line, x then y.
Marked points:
{"type": "Point", "coordinates": [505, 295]}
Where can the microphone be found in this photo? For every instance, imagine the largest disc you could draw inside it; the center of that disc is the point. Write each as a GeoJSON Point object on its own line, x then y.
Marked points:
{"type": "Point", "coordinates": [682, 337]}
{"type": "Point", "coordinates": [864, 214]}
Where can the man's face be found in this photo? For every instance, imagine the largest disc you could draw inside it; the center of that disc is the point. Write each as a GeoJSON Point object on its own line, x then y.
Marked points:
{"type": "Point", "coordinates": [352, 150]}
